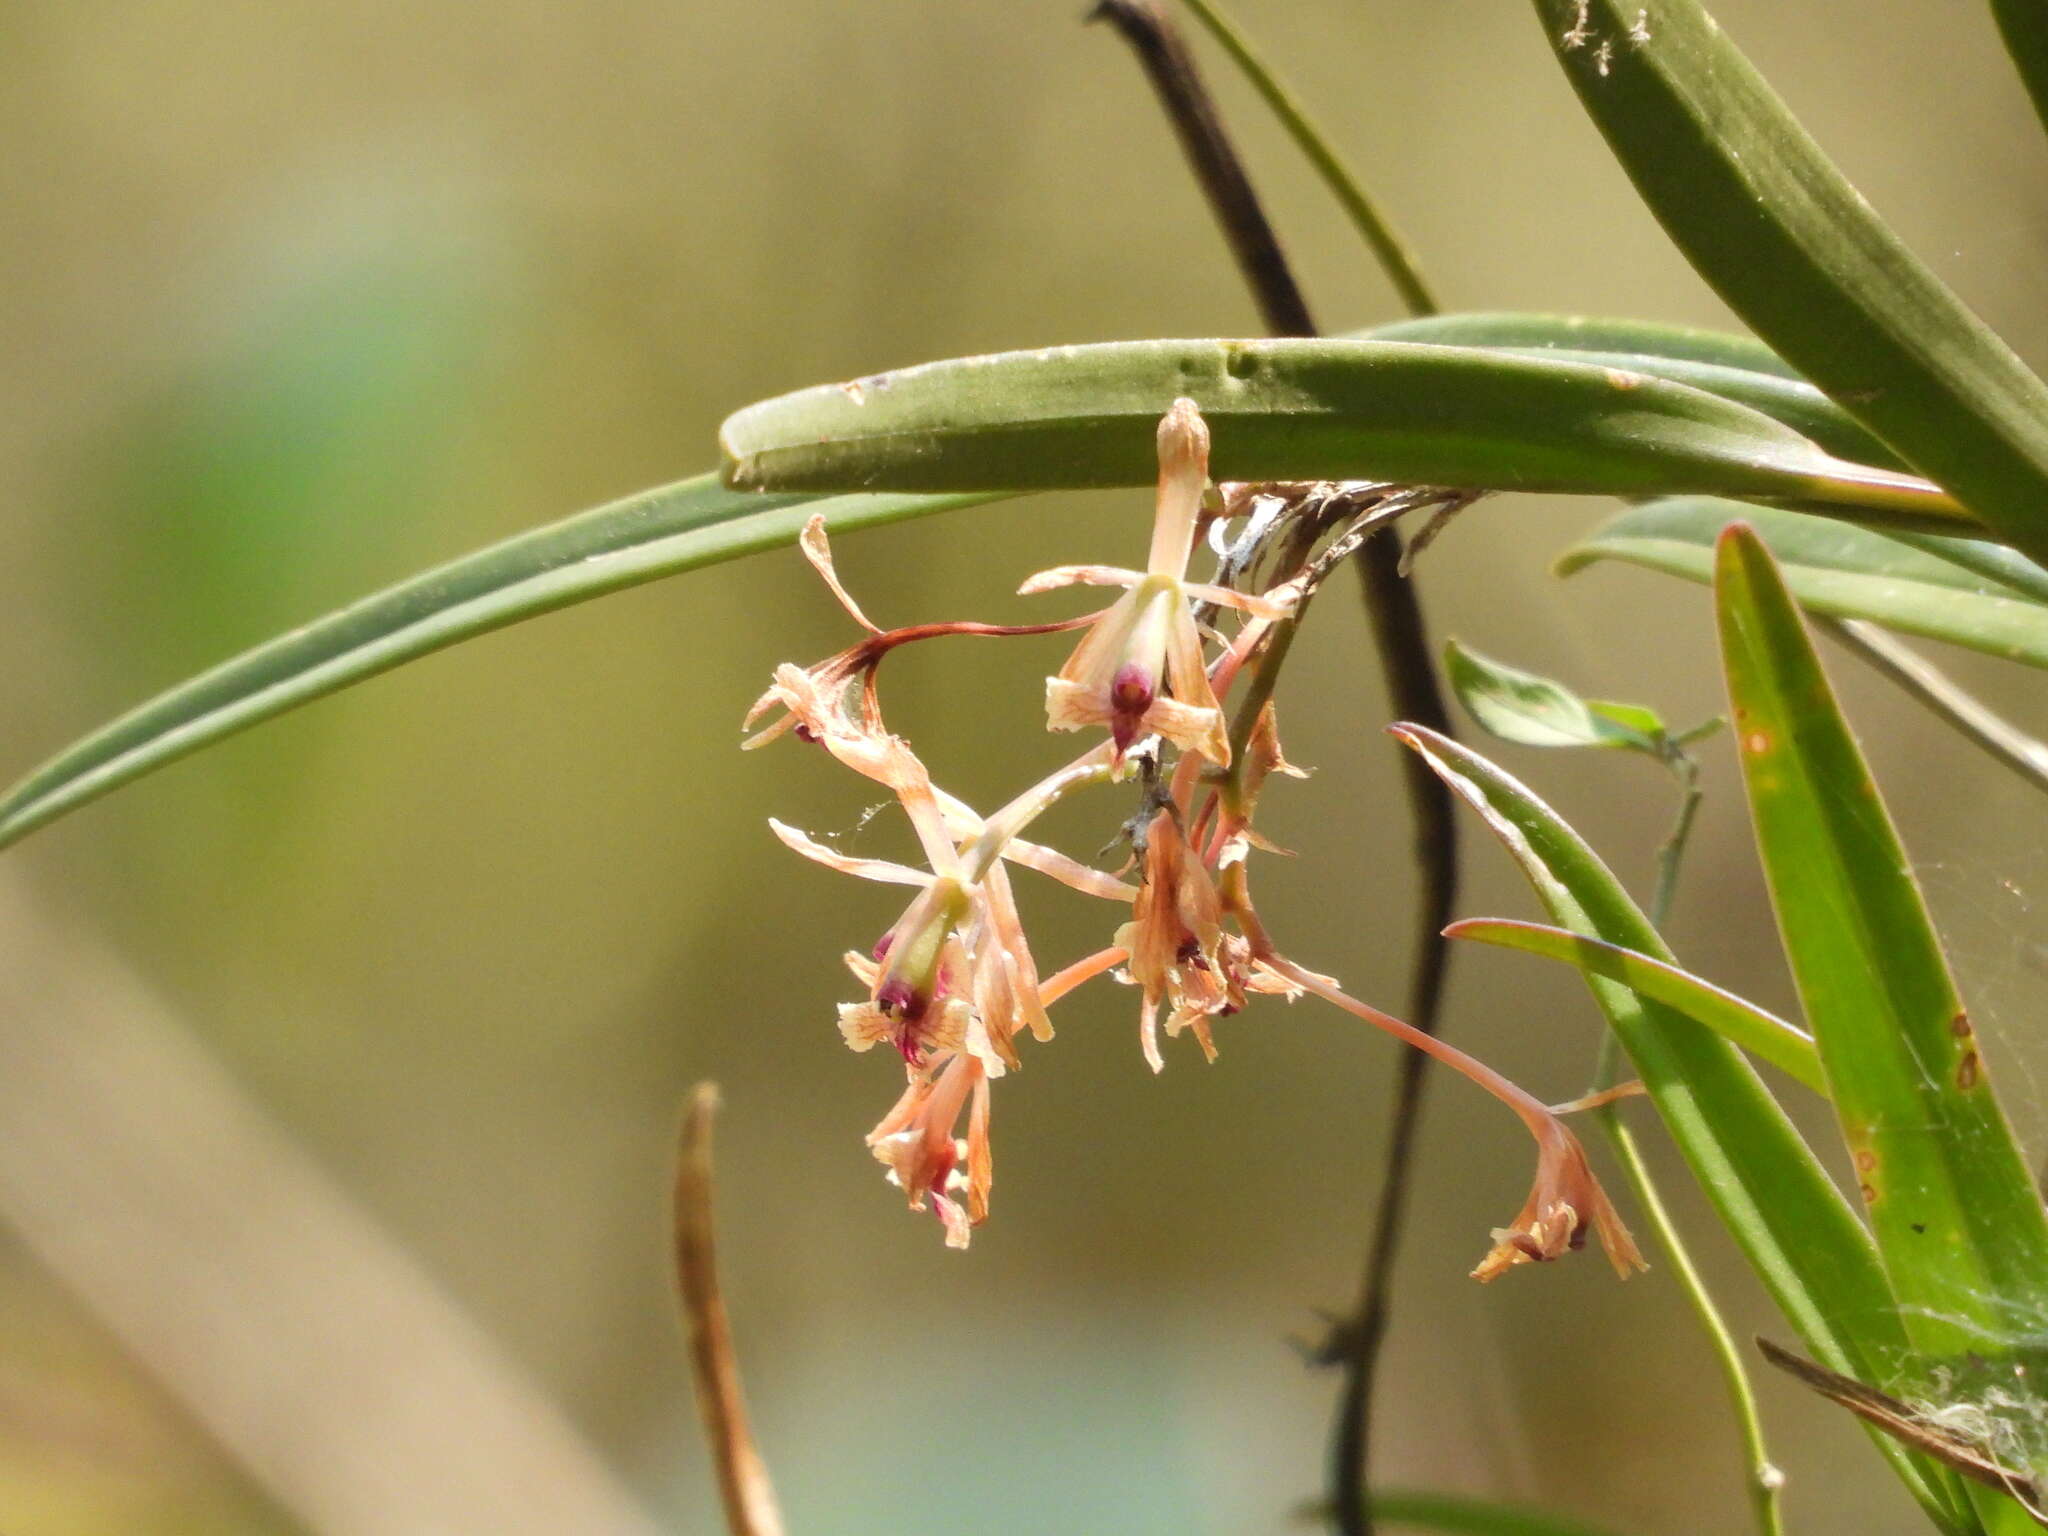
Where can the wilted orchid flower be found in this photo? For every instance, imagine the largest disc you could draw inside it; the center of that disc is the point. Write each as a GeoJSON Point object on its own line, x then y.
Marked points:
{"type": "Point", "coordinates": [1564, 1202]}
{"type": "Point", "coordinates": [1175, 940]}
{"type": "Point", "coordinates": [814, 700]}
{"type": "Point", "coordinates": [1566, 1199]}
{"type": "Point", "coordinates": [834, 702]}
{"type": "Point", "coordinates": [915, 1142]}
{"type": "Point", "coordinates": [1140, 669]}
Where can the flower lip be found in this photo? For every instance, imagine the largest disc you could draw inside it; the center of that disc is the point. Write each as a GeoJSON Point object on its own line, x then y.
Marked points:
{"type": "Point", "coordinates": [902, 1000]}
{"type": "Point", "coordinates": [1131, 692]}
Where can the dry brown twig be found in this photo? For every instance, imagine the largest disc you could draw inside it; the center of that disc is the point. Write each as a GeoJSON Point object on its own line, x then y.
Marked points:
{"type": "Point", "coordinates": [743, 1481]}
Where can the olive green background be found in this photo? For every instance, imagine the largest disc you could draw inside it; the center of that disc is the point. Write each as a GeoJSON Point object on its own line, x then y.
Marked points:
{"type": "Point", "coordinates": [298, 298]}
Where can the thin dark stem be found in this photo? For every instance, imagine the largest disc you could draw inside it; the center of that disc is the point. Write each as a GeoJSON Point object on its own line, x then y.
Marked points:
{"type": "Point", "coordinates": [1394, 611]}
{"type": "Point", "coordinates": [1214, 160]}
{"type": "Point", "coordinates": [1373, 227]}
{"type": "Point", "coordinates": [1401, 640]}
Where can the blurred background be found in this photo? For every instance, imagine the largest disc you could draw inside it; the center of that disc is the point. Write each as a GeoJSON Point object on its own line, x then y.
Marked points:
{"type": "Point", "coordinates": [356, 1045]}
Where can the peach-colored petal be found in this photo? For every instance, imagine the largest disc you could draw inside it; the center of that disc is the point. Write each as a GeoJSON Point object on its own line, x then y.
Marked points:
{"type": "Point", "coordinates": [1148, 1035]}
{"type": "Point", "coordinates": [1069, 871]}
{"type": "Point", "coordinates": [1188, 678]}
{"type": "Point", "coordinates": [1244, 602]}
{"type": "Point", "coordinates": [1197, 1024]}
{"type": "Point", "coordinates": [1102, 646]}
{"type": "Point", "coordinates": [981, 1167]}
{"type": "Point", "coordinates": [922, 1157]}
{"type": "Point", "coordinates": [1564, 1203]}
{"type": "Point", "coordinates": [914, 791]}
{"type": "Point", "coordinates": [798, 692]}
{"type": "Point", "coordinates": [1199, 730]}
{"type": "Point", "coordinates": [818, 550]}
{"type": "Point", "coordinates": [1079, 576]}
{"type": "Point", "coordinates": [1183, 474]}
{"type": "Point", "coordinates": [775, 730]}
{"type": "Point", "coordinates": [1072, 706]}
{"type": "Point", "coordinates": [1007, 943]}
{"type": "Point", "coordinates": [864, 1025]}
{"type": "Point", "coordinates": [865, 869]}
{"type": "Point", "coordinates": [954, 1218]}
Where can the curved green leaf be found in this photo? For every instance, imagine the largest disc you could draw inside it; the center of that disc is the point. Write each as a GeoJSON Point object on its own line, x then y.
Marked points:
{"type": "Point", "coordinates": [1800, 1236]}
{"type": "Point", "coordinates": [1453, 1514]}
{"type": "Point", "coordinates": [1072, 417]}
{"type": "Point", "coordinates": [656, 533]}
{"type": "Point", "coordinates": [1920, 587]}
{"type": "Point", "coordinates": [1785, 1046]}
{"type": "Point", "coordinates": [2001, 566]}
{"type": "Point", "coordinates": [1589, 333]}
{"type": "Point", "coordinates": [1733, 367]}
{"type": "Point", "coordinates": [1794, 250]}
{"type": "Point", "coordinates": [1792, 402]}
{"type": "Point", "coordinates": [1534, 711]}
{"type": "Point", "coordinates": [1955, 1210]}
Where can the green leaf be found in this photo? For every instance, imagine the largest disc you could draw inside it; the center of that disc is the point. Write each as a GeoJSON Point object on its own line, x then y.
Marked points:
{"type": "Point", "coordinates": [1792, 248]}
{"type": "Point", "coordinates": [1071, 417]}
{"type": "Point", "coordinates": [1785, 1046]}
{"type": "Point", "coordinates": [1733, 367]}
{"type": "Point", "coordinates": [1534, 711]}
{"type": "Point", "coordinates": [2024, 26]}
{"type": "Point", "coordinates": [1954, 1207]}
{"type": "Point", "coordinates": [1918, 587]}
{"type": "Point", "coordinates": [1454, 1514]}
{"type": "Point", "coordinates": [1636, 719]}
{"type": "Point", "coordinates": [642, 538]}
{"type": "Point", "coordinates": [2002, 567]}
{"type": "Point", "coordinates": [1800, 1236]}
{"type": "Point", "coordinates": [1589, 333]}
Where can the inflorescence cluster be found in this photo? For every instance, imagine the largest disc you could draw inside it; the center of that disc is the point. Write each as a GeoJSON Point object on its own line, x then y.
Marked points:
{"type": "Point", "coordinates": [952, 987]}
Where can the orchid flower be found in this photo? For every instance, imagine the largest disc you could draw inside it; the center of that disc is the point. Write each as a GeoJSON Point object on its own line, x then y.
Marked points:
{"type": "Point", "coordinates": [952, 982]}
{"type": "Point", "coordinates": [915, 1142]}
{"type": "Point", "coordinates": [1139, 668]}
{"type": "Point", "coordinates": [1565, 1201]}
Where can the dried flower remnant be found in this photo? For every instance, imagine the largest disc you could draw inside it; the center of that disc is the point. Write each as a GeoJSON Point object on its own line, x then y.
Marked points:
{"type": "Point", "coordinates": [1179, 951]}
{"type": "Point", "coordinates": [1565, 1201]}
{"type": "Point", "coordinates": [834, 702]}
{"type": "Point", "coordinates": [915, 1141]}
{"type": "Point", "coordinates": [1139, 669]}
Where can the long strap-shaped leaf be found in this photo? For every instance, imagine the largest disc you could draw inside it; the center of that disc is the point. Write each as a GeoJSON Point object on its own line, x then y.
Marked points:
{"type": "Point", "coordinates": [1957, 1217]}
{"type": "Point", "coordinates": [1590, 333]}
{"type": "Point", "coordinates": [1453, 1514]}
{"type": "Point", "coordinates": [1735, 1019]}
{"type": "Point", "coordinates": [1765, 218]}
{"type": "Point", "coordinates": [1938, 588]}
{"type": "Point", "coordinates": [1737, 368]}
{"type": "Point", "coordinates": [1074, 417]}
{"type": "Point", "coordinates": [1800, 1236]}
{"type": "Point", "coordinates": [657, 533]}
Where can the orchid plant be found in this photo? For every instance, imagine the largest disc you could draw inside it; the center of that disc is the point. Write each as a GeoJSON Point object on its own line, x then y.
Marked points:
{"type": "Point", "coordinates": [1874, 461]}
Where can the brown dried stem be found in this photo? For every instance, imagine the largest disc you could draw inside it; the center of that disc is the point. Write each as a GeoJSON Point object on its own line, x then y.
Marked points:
{"type": "Point", "coordinates": [743, 1482]}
